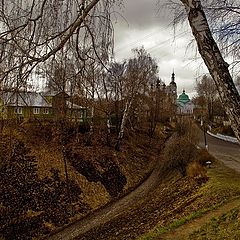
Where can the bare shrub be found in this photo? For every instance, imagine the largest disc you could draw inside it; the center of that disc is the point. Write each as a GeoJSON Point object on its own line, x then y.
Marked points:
{"type": "Point", "coordinates": [36, 132]}
{"type": "Point", "coordinates": [204, 156]}
{"type": "Point", "coordinates": [196, 170]}
{"type": "Point", "coordinates": [178, 153]}
{"type": "Point", "coordinates": [188, 130]}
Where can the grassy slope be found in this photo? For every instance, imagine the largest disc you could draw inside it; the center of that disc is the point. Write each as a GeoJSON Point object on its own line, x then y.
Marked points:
{"type": "Point", "coordinates": [135, 160]}
{"type": "Point", "coordinates": [175, 202]}
{"type": "Point", "coordinates": [94, 194]}
{"type": "Point", "coordinates": [227, 226]}
{"type": "Point", "coordinates": [223, 186]}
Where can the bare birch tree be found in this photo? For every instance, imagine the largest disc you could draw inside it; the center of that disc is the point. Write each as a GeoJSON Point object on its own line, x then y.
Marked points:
{"type": "Point", "coordinates": [223, 16]}
{"type": "Point", "coordinates": [237, 83]}
{"type": "Point", "coordinates": [214, 61]}
{"type": "Point", "coordinates": [33, 32]}
{"type": "Point", "coordinates": [206, 88]}
{"type": "Point", "coordinates": [140, 70]}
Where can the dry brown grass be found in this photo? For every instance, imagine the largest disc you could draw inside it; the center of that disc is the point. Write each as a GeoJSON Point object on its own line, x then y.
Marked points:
{"type": "Point", "coordinates": [222, 187]}
{"type": "Point", "coordinates": [135, 160]}
{"type": "Point", "coordinates": [196, 170]}
{"type": "Point", "coordinates": [49, 156]}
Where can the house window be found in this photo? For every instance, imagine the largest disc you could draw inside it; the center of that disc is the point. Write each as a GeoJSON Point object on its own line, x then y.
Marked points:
{"type": "Point", "coordinates": [36, 110]}
{"type": "Point", "coordinates": [81, 114]}
{"type": "Point", "coordinates": [18, 110]}
{"type": "Point", "coordinates": [45, 111]}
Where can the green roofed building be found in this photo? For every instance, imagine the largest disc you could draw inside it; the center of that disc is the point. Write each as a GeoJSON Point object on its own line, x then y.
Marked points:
{"type": "Point", "coordinates": [184, 104]}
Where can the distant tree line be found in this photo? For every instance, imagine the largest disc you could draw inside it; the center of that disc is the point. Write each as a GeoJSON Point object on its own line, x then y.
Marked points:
{"type": "Point", "coordinates": [81, 32]}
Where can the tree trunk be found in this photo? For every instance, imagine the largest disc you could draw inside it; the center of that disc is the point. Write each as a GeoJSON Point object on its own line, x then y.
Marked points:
{"type": "Point", "coordinates": [214, 61]}
{"type": "Point", "coordinates": [108, 131]}
{"type": "Point", "coordinates": [123, 123]}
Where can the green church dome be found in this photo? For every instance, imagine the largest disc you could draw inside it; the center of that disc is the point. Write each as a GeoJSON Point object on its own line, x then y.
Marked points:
{"type": "Point", "coordinates": [183, 98]}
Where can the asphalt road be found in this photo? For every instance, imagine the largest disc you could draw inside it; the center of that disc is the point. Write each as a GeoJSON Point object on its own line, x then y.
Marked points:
{"type": "Point", "coordinates": [227, 152]}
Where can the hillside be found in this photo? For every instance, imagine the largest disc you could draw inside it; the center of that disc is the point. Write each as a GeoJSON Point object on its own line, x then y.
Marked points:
{"type": "Point", "coordinates": [39, 199]}
{"type": "Point", "coordinates": [198, 219]}
{"type": "Point", "coordinates": [46, 195]}
{"type": "Point", "coordinates": [173, 202]}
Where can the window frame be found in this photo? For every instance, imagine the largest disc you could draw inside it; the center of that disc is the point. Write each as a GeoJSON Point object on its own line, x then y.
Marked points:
{"type": "Point", "coordinates": [45, 111]}
{"type": "Point", "coordinates": [36, 110]}
{"type": "Point", "coordinates": [18, 110]}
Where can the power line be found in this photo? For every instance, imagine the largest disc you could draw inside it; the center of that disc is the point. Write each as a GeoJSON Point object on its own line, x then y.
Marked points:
{"type": "Point", "coordinates": [148, 36]}
{"type": "Point", "coordinates": [139, 40]}
{"type": "Point", "coordinates": [165, 41]}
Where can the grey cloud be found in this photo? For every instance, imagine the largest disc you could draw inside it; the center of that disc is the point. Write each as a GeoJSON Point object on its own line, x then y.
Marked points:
{"type": "Point", "coordinates": [147, 27]}
{"type": "Point", "coordinates": [142, 14]}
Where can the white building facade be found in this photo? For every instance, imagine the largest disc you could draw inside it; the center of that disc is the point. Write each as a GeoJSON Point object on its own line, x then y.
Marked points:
{"type": "Point", "coordinates": [184, 104]}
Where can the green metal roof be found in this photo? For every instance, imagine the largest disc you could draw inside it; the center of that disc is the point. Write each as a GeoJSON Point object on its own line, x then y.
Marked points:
{"type": "Point", "coordinates": [183, 98]}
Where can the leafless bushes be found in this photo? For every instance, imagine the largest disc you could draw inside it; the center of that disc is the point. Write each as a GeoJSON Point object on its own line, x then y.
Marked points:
{"type": "Point", "coordinates": [179, 152]}
{"type": "Point", "coordinates": [182, 154]}
{"type": "Point", "coordinates": [197, 169]}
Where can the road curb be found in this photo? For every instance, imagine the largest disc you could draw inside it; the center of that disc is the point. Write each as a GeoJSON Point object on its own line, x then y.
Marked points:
{"type": "Point", "coordinates": [224, 137]}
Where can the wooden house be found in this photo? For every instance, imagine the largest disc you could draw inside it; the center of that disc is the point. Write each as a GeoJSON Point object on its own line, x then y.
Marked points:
{"type": "Point", "coordinates": [43, 106]}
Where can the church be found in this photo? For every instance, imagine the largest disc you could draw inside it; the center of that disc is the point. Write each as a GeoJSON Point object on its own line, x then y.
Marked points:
{"type": "Point", "coordinates": [183, 103]}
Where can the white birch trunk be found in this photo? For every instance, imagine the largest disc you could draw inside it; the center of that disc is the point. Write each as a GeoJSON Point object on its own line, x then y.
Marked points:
{"type": "Point", "coordinates": [123, 123]}
{"type": "Point", "coordinates": [214, 61]}
{"type": "Point", "coordinates": [108, 126]}
{"type": "Point", "coordinates": [91, 122]}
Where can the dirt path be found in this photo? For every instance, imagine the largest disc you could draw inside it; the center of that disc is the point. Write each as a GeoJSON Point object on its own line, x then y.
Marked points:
{"type": "Point", "coordinates": [185, 230]}
{"type": "Point", "coordinates": [93, 223]}
{"type": "Point", "coordinates": [108, 213]}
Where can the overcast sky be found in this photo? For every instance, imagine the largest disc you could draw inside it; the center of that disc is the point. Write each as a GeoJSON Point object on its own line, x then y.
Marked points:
{"type": "Point", "coordinates": [143, 25]}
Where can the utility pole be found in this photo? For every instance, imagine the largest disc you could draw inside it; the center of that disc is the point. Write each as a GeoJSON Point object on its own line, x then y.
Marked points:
{"type": "Point", "coordinates": [204, 133]}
